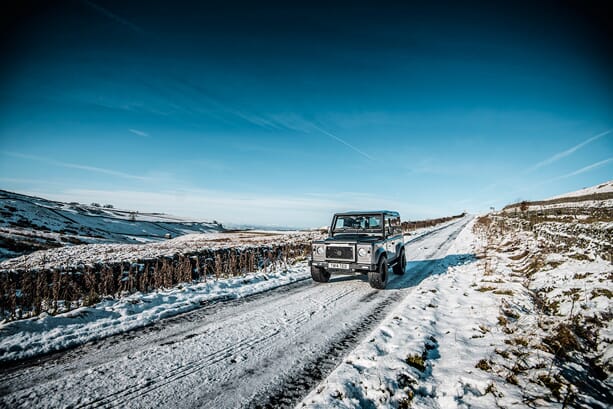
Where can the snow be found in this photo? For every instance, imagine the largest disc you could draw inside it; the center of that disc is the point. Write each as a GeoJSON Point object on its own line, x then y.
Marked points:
{"type": "Point", "coordinates": [41, 223]}
{"type": "Point", "coordinates": [266, 350]}
{"type": "Point", "coordinates": [445, 321]}
{"type": "Point", "coordinates": [45, 333]}
{"type": "Point", "coordinates": [470, 325]}
{"type": "Point", "coordinates": [71, 256]}
{"type": "Point", "coordinates": [606, 187]}
{"type": "Point", "coordinates": [579, 204]}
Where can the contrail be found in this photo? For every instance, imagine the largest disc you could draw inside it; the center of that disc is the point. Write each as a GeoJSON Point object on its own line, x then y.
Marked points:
{"type": "Point", "coordinates": [569, 151]}
{"type": "Point", "coordinates": [585, 169]}
{"type": "Point", "coordinates": [344, 142]}
{"type": "Point", "coordinates": [137, 132]}
{"type": "Point", "coordinates": [75, 166]}
{"type": "Point", "coordinates": [114, 16]}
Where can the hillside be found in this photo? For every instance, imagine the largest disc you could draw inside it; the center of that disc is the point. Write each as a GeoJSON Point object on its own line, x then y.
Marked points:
{"type": "Point", "coordinates": [603, 188]}
{"type": "Point", "coordinates": [31, 223]}
{"type": "Point", "coordinates": [592, 201]}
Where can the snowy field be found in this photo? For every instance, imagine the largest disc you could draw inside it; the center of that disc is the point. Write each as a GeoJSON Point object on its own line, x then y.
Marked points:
{"type": "Point", "coordinates": [511, 309]}
{"type": "Point", "coordinates": [606, 187]}
{"type": "Point", "coordinates": [30, 223]}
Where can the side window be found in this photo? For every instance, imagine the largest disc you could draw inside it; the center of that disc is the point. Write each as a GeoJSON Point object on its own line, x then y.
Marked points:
{"type": "Point", "coordinates": [393, 225]}
{"type": "Point", "coordinates": [396, 225]}
{"type": "Point", "coordinates": [389, 229]}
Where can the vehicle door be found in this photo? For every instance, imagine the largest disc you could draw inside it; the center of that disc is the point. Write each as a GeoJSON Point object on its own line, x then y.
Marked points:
{"type": "Point", "coordinates": [397, 233]}
{"type": "Point", "coordinates": [391, 238]}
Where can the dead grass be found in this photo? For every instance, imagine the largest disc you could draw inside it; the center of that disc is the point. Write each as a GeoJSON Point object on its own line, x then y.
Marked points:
{"type": "Point", "coordinates": [519, 256]}
{"type": "Point", "coordinates": [503, 353]}
{"type": "Point", "coordinates": [602, 292]}
{"type": "Point", "coordinates": [512, 379]}
{"type": "Point", "coordinates": [563, 341]}
{"type": "Point", "coordinates": [553, 383]}
{"type": "Point", "coordinates": [61, 289]}
{"type": "Point", "coordinates": [405, 403]}
{"type": "Point", "coordinates": [416, 361]}
{"type": "Point", "coordinates": [580, 257]}
{"type": "Point", "coordinates": [518, 341]}
{"type": "Point", "coordinates": [484, 365]}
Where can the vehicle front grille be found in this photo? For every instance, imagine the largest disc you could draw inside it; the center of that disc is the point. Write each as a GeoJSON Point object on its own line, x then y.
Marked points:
{"type": "Point", "coordinates": [339, 253]}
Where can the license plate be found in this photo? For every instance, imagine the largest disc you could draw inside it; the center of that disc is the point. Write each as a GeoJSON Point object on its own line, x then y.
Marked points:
{"type": "Point", "coordinates": [339, 266]}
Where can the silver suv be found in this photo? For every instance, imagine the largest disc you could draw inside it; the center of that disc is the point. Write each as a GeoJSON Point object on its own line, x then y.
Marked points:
{"type": "Point", "coordinates": [363, 242]}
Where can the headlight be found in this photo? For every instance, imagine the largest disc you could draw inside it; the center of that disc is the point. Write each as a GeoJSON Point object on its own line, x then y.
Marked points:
{"type": "Point", "coordinates": [361, 252]}
{"type": "Point", "coordinates": [319, 250]}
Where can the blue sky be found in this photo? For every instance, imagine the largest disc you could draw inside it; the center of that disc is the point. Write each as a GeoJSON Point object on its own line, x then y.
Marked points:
{"type": "Point", "coordinates": [273, 115]}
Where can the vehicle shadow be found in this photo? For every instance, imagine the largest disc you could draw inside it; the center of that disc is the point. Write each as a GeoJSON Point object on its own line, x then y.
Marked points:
{"type": "Point", "coordinates": [415, 271]}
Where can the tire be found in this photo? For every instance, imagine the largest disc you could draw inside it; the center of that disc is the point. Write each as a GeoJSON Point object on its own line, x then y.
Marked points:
{"type": "Point", "coordinates": [320, 275]}
{"type": "Point", "coordinates": [400, 264]}
{"type": "Point", "coordinates": [378, 279]}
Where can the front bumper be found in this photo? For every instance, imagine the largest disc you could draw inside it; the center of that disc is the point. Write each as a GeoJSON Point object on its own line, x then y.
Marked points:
{"type": "Point", "coordinates": [353, 267]}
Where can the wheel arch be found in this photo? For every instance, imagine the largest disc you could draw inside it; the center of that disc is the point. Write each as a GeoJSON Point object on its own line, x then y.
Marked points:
{"type": "Point", "coordinates": [380, 253]}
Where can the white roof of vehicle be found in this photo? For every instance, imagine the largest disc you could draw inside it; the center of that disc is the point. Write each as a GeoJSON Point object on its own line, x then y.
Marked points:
{"type": "Point", "coordinates": [359, 212]}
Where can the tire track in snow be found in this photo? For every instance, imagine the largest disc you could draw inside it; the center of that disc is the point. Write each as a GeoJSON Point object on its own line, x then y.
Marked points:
{"type": "Point", "coordinates": [306, 329]}
{"type": "Point", "coordinates": [289, 392]}
{"type": "Point", "coordinates": [123, 397]}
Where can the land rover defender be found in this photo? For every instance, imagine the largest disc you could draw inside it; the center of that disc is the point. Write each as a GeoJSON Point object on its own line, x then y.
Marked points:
{"type": "Point", "coordinates": [363, 242]}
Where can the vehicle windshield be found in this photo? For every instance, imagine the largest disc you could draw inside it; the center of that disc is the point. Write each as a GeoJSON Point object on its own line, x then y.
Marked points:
{"type": "Point", "coordinates": [370, 223]}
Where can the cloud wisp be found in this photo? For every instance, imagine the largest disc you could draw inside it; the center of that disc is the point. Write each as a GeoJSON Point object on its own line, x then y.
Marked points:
{"type": "Point", "coordinates": [567, 152]}
{"type": "Point", "coordinates": [585, 169]}
{"type": "Point", "coordinates": [69, 165]}
{"type": "Point", "coordinates": [307, 210]}
{"type": "Point", "coordinates": [344, 142]}
{"type": "Point", "coordinates": [122, 21]}
{"type": "Point", "coordinates": [564, 176]}
{"type": "Point", "coordinates": [137, 132]}
{"type": "Point", "coordinates": [242, 112]}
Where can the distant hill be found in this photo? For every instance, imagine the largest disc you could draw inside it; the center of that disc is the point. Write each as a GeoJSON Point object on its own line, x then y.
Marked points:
{"type": "Point", "coordinates": [30, 223]}
{"type": "Point", "coordinates": [603, 188]}
{"type": "Point", "coordinates": [585, 201]}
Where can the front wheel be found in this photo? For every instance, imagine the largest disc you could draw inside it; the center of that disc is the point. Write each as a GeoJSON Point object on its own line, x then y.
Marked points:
{"type": "Point", "coordinates": [378, 279]}
{"type": "Point", "coordinates": [320, 274]}
{"type": "Point", "coordinates": [400, 264]}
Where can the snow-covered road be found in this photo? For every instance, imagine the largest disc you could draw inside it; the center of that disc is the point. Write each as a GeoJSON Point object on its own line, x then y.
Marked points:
{"type": "Point", "coordinates": [269, 349]}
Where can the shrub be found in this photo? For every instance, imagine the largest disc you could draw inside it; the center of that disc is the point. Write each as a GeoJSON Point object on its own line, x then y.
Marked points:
{"type": "Point", "coordinates": [605, 292]}
{"type": "Point", "coordinates": [552, 383]}
{"type": "Point", "coordinates": [416, 361]}
{"type": "Point", "coordinates": [562, 341]}
{"type": "Point", "coordinates": [483, 365]}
